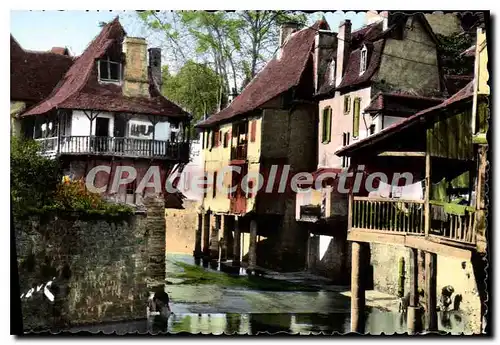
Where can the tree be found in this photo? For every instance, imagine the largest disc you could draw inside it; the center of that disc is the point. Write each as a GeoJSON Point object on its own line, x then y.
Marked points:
{"type": "Point", "coordinates": [234, 44]}
{"type": "Point", "coordinates": [195, 87]}
{"type": "Point", "coordinates": [450, 49]}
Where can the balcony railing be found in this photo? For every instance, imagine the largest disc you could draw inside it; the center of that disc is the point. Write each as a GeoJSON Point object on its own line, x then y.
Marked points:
{"type": "Point", "coordinates": [394, 215]}
{"type": "Point", "coordinates": [239, 152]}
{"type": "Point", "coordinates": [407, 217]}
{"type": "Point", "coordinates": [127, 147]}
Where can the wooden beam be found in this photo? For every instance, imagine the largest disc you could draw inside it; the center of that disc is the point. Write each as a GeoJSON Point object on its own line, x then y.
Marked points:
{"type": "Point", "coordinates": [370, 236]}
{"type": "Point", "coordinates": [401, 154]}
{"type": "Point", "coordinates": [427, 213]}
{"type": "Point", "coordinates": [427, 245]}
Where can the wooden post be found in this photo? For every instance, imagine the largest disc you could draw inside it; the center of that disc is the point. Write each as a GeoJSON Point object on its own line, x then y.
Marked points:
{"type": "Point", "coordinates": [358, 288]}
{"type": "Point", "coordinates": [252, 248]}
{"type": "Point", "coordinates": [430, 291]}
{"type": "Point", "coordinates": [428, 184]}
{"type": "Point", "coordinates": [237, 243]}
{"type": "Point", "coordinates": [413, 316]}
{"type": "Point", "coordinates": [197, 245]}
{"type": "Point", "coordinates": [350, 211]}
{"type": "Point", "coordinates": [206, 234]}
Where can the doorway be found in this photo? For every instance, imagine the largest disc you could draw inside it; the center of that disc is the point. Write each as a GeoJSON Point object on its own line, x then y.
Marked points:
{"type": "Point", "coordinates": [102, 134]}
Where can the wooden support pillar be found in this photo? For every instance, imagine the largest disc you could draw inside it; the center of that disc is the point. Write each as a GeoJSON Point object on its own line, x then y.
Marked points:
{"type": "Point", "coordinates": [312, 252]}
{"type": "Point", "coordinates": [358, 287]}
{"type": "Point", "coordinates": [431, 323]}
{"type": "Point", "coordinates": [252, 248]}
{"type": "Point", "coordinates": [214, 239]}
{"type": "Point", "coordinates": [428, 184]}
{"type": "Point", "coordinates": [206, 234]}
{"type": "Point", "coordinates": [199, 230]}
{"type": "Point", "coordinates": [237, 243]}
{"type": "Point", "coordinates": [413, 316]}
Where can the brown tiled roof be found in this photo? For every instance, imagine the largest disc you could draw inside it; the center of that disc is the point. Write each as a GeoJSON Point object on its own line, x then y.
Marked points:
{"type": "Point", "coordinates": [464, 94]}
{"type": "Point", "coordinates": [455, 83]}
{"type": "Point", "coordinates": [80, 88]}
{"type": "Point", "coordinates": [278, 76]}
{"type": "Point", "coordinates": [33, 75]}
{"type": "Point", "coordinates": [59, 50]}
{"type": "Point", "coordinates": [400, 103]}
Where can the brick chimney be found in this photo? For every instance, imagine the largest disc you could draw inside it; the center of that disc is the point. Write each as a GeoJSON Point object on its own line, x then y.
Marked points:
{"type": "Point", "coordinates": [135, 78]}
{"type": "Point", "coordinates": [286, 30]}
{"type": "Point", "coordinates": [325, 45]}
{"type": "Point", "coordinates": [343, 49]}
{"type": "Point", "coordinates": [155, 65]}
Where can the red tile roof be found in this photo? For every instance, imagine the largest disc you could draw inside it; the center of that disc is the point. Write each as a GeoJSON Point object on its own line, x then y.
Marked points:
{"type": "Point", "coordinates": [278, 76]}
{"type": "Point", "coordinates": [33, 75]}
{"type": "Point", "coordinates": [59, 50]}
{"type": "Point", "coordinates": [455, 83]}
{"type": "Point", "coordinates": [80, 88]}
{"type": "Point", "coordinates": [464, 94]}
{"type": "Point", "coordinates": [401, 103]}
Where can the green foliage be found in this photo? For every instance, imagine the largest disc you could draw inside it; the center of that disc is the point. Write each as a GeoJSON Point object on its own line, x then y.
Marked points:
{"type": "Point", "coordinates": [33, 177]}
{"type": "Point", "coordinates": [195, 87]}
{"type": "Point", "coordinates": [450, 49]}
{"type": "Point", "coordinates": [36, 186]}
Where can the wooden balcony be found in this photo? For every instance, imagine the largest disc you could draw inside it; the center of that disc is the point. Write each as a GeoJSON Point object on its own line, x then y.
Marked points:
{"type": "Point", "coordinates": [403, 222]}
{"type": "Point", "coordinates": [113, 146]}
{"type": "Point", "coordinates": [239, 152]}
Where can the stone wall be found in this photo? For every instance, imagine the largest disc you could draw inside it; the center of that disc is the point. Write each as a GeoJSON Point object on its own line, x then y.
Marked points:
{"type": "Point", "coordinates": [96, 267]}
{"type": "Point", "coordinates": [384, 267]}
{"type": "Point", "coordinates": [181, 228]}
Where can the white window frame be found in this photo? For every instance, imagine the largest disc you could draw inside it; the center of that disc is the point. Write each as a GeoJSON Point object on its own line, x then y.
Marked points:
{"type": "Point", "coordinates": [363, 60]}
{"type": "Point", "coordinates": [109, 62]}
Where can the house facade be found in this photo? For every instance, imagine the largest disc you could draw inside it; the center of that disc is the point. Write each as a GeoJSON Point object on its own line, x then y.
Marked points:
{"type": "Point", "coordinates": [106, 117]}
{"type": "Point", "coordinates": [269, 129]}
{"type": "Point", "coordinates": [378, 76]}
{"type": "Point", "coordinates": [441, 147]}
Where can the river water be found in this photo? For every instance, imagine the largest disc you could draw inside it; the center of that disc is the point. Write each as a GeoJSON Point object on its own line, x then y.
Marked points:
{"type": "Point", "coordinates": [213, 309]}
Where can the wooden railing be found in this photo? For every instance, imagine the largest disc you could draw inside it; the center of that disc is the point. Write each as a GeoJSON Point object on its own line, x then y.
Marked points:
{"type": "Point", "coordinates": [239, 152]}
{"type": "Point", "coordinates": [128, 147]}
{"type": "Point", "coordinates": [407, 217]}
{"type": "Point", "coordinates": [394, 215]}
{"type": "Point", "coordinates": [453, 227]}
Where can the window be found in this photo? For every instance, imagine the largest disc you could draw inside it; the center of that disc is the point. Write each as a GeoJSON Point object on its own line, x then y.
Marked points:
{"type": "Point", "coordinates": [332, 72]}
{"type": "Point", "coordinates": [355, 121]}
{"type": "Point", "coordinates": [253, 131]}
{"type": "Point", "coordinates": [327, 125]}
{"type": "Point", "coordinates": [347, 104]}
{"type": "Point", "coordinates": [226, 139]}
{"type": "Point", "coordinates": [141, 130]}
{"type": "Point", "coordinates": [214, 186]}
{"type": "Point", "coordinates": [109, 70]}
{"type": "Point", "coordinates": [372, 129]}
{"type": "Point", "coordinates": [345, 141]}
{"type": "Point", "coordinates": [173, 136]}
{"type": "Point", "coordinates": [364, 55]}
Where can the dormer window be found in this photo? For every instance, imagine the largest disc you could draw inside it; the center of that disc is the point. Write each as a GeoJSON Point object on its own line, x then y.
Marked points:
{"type": "Point", "coordinates": [332, 72]}
{"type": "Point", "coordinates": [109, 71]}
{"type": "Point", "coordinates": [363, 60]}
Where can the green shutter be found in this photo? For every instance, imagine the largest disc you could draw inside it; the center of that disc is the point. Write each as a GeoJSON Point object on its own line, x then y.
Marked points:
{"type": "Point", "coordinates": [326, 128]}
{"type": "Point", "coordinates": [355, 123]}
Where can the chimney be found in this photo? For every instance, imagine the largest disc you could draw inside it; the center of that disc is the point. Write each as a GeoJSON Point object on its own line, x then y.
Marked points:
{"type": "Point", "coordinates": [155, 65]}
{"type": "Point", "coordinates": [232, 96]}
{"type": "Point", "coordinates": [135, 79]}
{"type": "Point", "coordinates": [324, 46]}
{"type": "Point", "coordinates": [343, 49]}
{"type": "Point", "coordinates": [286, 30]}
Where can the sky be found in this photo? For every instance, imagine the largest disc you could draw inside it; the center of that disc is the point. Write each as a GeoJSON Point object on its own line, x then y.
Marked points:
{"type": "Point", "coordinates": [42, 30]}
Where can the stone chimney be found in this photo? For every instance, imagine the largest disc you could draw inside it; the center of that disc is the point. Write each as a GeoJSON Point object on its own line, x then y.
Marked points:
{"type": "Point", "coordinates": [135, 77]}
{"type": "Point", "coordinates": [232, 96]}
{"type": "Point", "coordinates": [343, 49]}
{"type": "Point", "coordinates": [155, 65]}
{"type": "Point", "coordinates": [286, 30]}
{"type": "Point", "coordinates": [374, 17]}
{"type": "Point", "coordinates": [325, 44]}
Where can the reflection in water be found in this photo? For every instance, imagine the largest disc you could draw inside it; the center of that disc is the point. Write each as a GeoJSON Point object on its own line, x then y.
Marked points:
{"type": "Point", "coordinates": [376, 323]}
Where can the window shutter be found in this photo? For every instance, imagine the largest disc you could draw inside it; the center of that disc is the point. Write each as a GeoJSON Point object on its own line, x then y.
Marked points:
{"type": "Point", "coordinates": [253, 130]}
{"type": "Point", "coordinates": [347, 104]}
{"type": "Point", "coordinates": [355, 123]}
{"type": "Point", "coordinates": [329, 125]}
